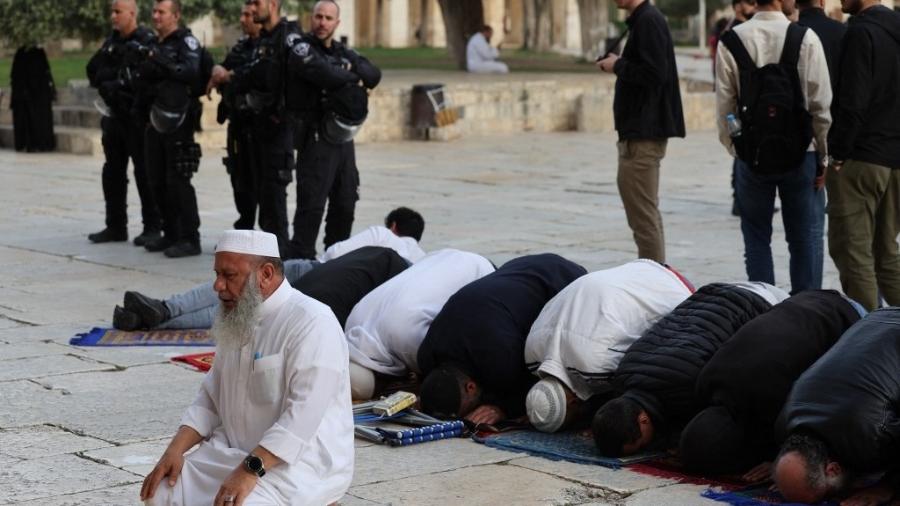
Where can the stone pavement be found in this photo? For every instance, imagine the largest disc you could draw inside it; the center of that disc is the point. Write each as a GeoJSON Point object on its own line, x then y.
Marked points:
{"type": "Point", "coordinates": [82, 426]}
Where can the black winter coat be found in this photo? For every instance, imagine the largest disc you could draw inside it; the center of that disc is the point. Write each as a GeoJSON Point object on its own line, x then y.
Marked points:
{"type": "Point", "coordinates": [752, 373]}
{"type": "Point", "coordinates": [647, 104]}
{"type": "Point", "coordinates": [482, 327]}
{"type": "Point", "coordinates": [831, 33]}
{"type": "Point", "coordinates": [660, 369]}
{"type": "Point", "coordinates": [851, 396]}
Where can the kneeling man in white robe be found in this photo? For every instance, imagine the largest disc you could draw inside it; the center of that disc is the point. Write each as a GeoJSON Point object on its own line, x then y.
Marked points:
{"type": "Point", "coordinates": [272, 423]}
{"type": "Point", "coordinates": [578, 339]}
{"type": "Point", "coordinates": [481, 57]}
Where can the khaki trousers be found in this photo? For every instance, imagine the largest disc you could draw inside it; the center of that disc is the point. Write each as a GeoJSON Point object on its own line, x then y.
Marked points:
{"type": "Point", "coordinates": [863, 231]}
{"type": "Point", "coordinates": [638, 181]}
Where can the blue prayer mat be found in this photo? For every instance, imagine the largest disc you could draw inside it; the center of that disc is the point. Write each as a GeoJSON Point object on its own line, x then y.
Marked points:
{"type": "Point", "coordinates": [114, 337]}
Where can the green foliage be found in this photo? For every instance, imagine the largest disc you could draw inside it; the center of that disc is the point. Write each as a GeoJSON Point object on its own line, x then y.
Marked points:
{"type": "Point", "coordinates": [678, 8]}
{"type": "Point", "coordinates": [29, 22]}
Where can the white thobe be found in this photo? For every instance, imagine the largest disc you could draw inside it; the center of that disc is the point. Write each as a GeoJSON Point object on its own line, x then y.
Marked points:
{"type": "Point", "coordinates": [481, 57]}
{"type": "Point", "coordinates": [583, 332]}
{"type": "Point", "coordinates": [294, 401]}
{"type": "Point", "coordinates": [772, 294]}
{"type": "Point", "coordinates": [386, 327]}
{"type": "Point", "coordinates": [406, 247]}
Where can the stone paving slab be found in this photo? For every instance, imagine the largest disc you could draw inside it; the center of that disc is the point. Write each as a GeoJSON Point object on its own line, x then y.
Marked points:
{"type": "Point", "coordinates": [682, 495]}
{"type": "Point", "coordinates": [58, 475]}
{"type": "Point", "coordinates": [622, 481]}
{"type": "Point", "coordinates": [51, 365]}
{"type": "Point", "coordinates": [137, 458]}
{"type": "Point", "coordinates": [118, 495]}
{"type": "Point", "coordinates": [42, 441]}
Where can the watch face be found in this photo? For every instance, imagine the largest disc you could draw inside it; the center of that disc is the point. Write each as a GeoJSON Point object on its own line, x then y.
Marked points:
{"type": "Point", "coordinates": [253, 463]}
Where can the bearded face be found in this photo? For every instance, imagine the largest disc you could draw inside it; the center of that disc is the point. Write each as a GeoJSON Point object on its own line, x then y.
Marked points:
{"type": "Point", "coordinates": [233, 327]}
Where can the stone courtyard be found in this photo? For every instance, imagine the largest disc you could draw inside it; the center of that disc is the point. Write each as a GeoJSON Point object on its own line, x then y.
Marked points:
{"type": "Point", "coordinates": [82, 426]}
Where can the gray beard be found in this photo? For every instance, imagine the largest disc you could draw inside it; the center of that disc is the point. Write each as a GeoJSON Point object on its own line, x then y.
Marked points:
{"type": "Point", "coordinates": [232, 330]}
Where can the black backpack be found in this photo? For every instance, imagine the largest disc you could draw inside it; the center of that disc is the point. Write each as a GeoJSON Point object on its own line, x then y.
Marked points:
{"type": "Point", "coordinates": [776, 128]}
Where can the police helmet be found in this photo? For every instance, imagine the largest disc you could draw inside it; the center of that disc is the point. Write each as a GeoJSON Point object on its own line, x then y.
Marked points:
{"type": "Point", "coordinates": [345, 111]}
{"type": "Point", "coordinates": [170, 108]}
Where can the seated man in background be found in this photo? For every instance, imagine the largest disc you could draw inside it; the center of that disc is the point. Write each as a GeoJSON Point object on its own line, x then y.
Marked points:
{"type": "Point", "coordinates": [196, 307]}
{"type": "Point", "coordinates": [842, 418]}
{"type": "Point", "coordinates": [481, 58]}
{"type": "Point", "coordinates": [472, 355]}
{"type": "Point", "coordinates": [746, 382]}
{"type": "Point", "coordinates": [276, 402]}
{"type": "Point", "coordinates": [577, 341]}
{"type": "Point", "coordinates": [387, 326]}
{"type": "Point", "coordinates": [656, 377]}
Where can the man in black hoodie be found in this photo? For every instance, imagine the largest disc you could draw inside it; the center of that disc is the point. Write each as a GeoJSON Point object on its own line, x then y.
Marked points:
{"type": "Point", "coordinates": [864, 181]}
{"type": "Point", "coordinates": [647, 111]}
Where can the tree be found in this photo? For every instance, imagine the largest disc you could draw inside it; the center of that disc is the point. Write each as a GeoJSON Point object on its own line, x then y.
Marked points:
{"type": "Point", "coordinates": [594, 16]}
{"type": "Point", "coordinates": [538, 29]}
{"type": "Point", "coordinates": [29, 23]}
{"type": "Point", "coordinates": [462, 18]}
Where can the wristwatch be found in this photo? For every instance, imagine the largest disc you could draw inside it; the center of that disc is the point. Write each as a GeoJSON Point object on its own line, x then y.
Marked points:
{"type": "Point", "coordinates": [254, 464]}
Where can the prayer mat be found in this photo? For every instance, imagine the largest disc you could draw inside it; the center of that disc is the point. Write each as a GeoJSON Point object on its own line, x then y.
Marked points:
{"type": "Point", "coordinates": [755, 495]}
{"type": "Point", "coordinates": [570, 446]}
{"type": "Point", "coordinates": [201, 361]}
{"type": "Point", "coordinates": [114, 337]}
{"type": "Point", "coordinates": [670, 467]}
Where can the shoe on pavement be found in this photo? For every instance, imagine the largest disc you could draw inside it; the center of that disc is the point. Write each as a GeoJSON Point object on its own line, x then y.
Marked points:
{"type": "Point", "coordinates": [124, 319]}
{"type": "Point", "coordinates": [108, 235]}
{"type": "Point", "coordinates": [152, 312]}
{"type": "Point", "coordinates": [183, 249]}
{"type": "Point", "coordinates": [159, 244]}
{"type": "Point", "coordinates": [147, 236]}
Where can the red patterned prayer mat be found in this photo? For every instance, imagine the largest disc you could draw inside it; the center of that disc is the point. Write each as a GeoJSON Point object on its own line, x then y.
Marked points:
{"type": "Point", "coordinates": [202, 361]}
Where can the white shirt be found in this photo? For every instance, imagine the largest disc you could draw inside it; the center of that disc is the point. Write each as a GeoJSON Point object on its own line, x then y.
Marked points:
{"type": "Point", "coordinates": [294, 401]}
{"type": "Point", "coordinates": [376, 235]}
{"type": "Point", "coordinates": [583, 332]}
{"type": "Point", "coordinates": [386, 327]}
{"type": "Point", "coordinates": [772, 294]}
{"type": "Point", "coordinates": [763, 36]}
{"type": "Point", "coordinates": [479, 50]}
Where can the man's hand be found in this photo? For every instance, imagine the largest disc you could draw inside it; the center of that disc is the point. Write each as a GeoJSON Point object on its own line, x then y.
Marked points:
{"type": "Point", "coordinates": [759, 473]}
{"type": "Point", "coordinates": [219, 76]}
{"type": "Point", "coordinates": [875, 495]}
{"type": "Point", "coordinates": [169, 465]}
{"type": "Point", "coordinates": [486, 413]}
{"type": "Point", "coordinates": [821, 171]}
{"type": "Point", "coordinates": [236, 487]}
{"type": "Point", "coordinates": [608, 63]}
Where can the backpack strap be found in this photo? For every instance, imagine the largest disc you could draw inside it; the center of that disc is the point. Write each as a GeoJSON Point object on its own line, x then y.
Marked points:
{"type": "Point", "coordinates": [790, 54]}
{"type": "Point", "coordinates": [737, 49]}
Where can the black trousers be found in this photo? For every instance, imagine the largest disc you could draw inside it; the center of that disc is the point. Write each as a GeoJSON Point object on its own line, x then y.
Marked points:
{"type": "Point", "coordinates": [271, 159]}
{"type": "Point", "coordinates": [173, 190]}
{"type": "Point", "coordinates": [123, 139]}
{"type": "Point", "coordinates": [243, 173]}
{"type": "Point", "coordinates": [326, 173]}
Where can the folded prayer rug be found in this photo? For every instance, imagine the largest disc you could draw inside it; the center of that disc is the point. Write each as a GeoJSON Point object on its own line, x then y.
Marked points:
{"type": "Point", "coordinates": [201, 361]}
{"type": "Point", "coordinates": [114, 337]}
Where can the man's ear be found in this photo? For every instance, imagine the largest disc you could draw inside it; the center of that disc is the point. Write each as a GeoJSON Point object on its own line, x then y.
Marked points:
{"type": "Point", "coordinates": [266, 276]}
{"type": "Point", "coordinates": [393, 228]}
{"type": "Point", "coordinates": [643, 418]}
{"type": "Point", "coordinates": [833, 469]}
{"type": "Point", "coordinates": [471, 387]}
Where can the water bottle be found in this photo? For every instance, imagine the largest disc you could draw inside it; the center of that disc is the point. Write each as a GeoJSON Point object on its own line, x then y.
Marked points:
{"type": "Point", "coordinates": [734, 125]}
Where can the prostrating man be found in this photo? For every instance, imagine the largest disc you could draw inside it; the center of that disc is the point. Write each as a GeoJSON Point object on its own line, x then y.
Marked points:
{"type": "Point", "coordinates": [196, 307]}
{"type": "Point", "coordinates": [481, 57]}
{"type": "Point", "coordinates": [577, 341]}
{"type": "Point", "coordinates": [864, 180]}
{"type": "Point", "coordinates": [656, 377]}
{"type": "Point", "coordinates": [386, 327]}
{"type": "Point", "coordinates": [472, 355]}
{"type": "Point", "coordinates": [772, 79]}
{"type": "Point", "coordinates": [647, 112]}
{"type": "Point", "coordinates": [746, 382]}
{"type": "Point", "coordinates": [332, 86]}
{"type": "Point", "coordinates": [842, 418]}
{"type": "Point", "coordinates": [273, 422]}
{"type": "Point", "coordinates": [234, 108]}
{"type": "Point", "coordinates": [110, 71]}
{"type": "Point", "coordinates": [169, 80]}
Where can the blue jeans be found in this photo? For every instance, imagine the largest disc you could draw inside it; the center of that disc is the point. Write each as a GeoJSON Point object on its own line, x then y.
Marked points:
{"type": "Point", "coordinates": [756, 202]}
{"type": "Point", "coordinates": [196, 308]}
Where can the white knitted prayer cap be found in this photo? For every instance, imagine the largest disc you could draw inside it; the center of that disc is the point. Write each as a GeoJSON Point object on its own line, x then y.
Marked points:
{"type": "Point", "coordinates": [546, 405]}
{"type": "Point", "coordinates": [249, 242]}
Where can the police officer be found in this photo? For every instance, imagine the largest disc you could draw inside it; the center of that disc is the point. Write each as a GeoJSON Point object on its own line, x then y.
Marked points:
{"type": "Point", "coordinates": [332, 103]}
{"type": "Point", "coordinates": [234, 108]}
{"type": "Point", "coordinates": [170, 81]}
{"type": "Point", "coordinates": [110, 71]}
{"type": "Point", "coordinates": [272, 127]}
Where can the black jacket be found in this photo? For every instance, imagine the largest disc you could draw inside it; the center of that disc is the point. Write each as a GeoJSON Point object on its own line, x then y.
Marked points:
{"type": "Point", "coordinates": [482, 327]}
{"type": "Point", "coordinates": [233, 105]}
{"type": "Point", "coordinates": [110, 69]}
{"type": "Point", "coordinates": [866, 104]}
{"type": "Point", "coordinates": [660, 369]}
{"type": "Point", "coordinates": [342, 282]}
{"type": "Point", "coordinates": [831, 33]}
{"type": "Point", "coordinates": [851, 396]}
{"type": "Point", "coordinates": [174, 59]}
{"type": "Point", "coordinates": [752, 373]}
{"type": "Point", "coordinates": [647, 103]}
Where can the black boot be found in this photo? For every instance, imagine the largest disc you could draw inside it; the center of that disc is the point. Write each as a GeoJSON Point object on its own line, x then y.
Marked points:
{"type": "Point", "coordinates": [151, 311]}
{"type": "Point", "coordinates": [147, 236]}
{"type": "Point", "coordinates": [108, 235]}
{"type": "Point", "coordinates": [158, 244]}
{"type": "Point", "coordinates": [183, 248]}
{"type": "Point", "coordinates": [124, 319]}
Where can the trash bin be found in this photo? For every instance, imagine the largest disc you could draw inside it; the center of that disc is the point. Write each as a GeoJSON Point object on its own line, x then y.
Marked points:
{"type": "Point", "coordinates": [427, 101]}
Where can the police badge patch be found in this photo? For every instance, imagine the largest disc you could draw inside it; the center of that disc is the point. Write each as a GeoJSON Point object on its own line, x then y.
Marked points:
{"type": "Point", "coordinates": [291, 39]}
{"type": "Point", "coordinates": [192, 42]}
{"type": "Point", "coordinates": [302, 49]}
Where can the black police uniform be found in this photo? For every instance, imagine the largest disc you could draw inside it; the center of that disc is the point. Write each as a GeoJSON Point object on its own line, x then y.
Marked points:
{"type": "Point", "coordinates": [172, 158]}
{"type": "Point", "coordinates": [233, 108]}
{"type": "Point", "coordinates": [272, 127]}
{"type": "Point", "coordinates": [325, 171]}
{"type": "Point", "coordinates": [111, 70]}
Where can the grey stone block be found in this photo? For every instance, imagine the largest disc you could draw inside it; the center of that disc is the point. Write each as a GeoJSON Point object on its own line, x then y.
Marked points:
{"type": "Point", "coordinates": [40, 441]}
{"type": "Point", "coordinates": [621, 481]}
{"type": "Point", "coordinates": [58, 475]}
{"type": "Point", "coordinates": [682, 495]}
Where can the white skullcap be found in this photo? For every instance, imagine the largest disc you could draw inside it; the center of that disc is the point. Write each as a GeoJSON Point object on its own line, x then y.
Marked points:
{"type": "Point", "coordinates": [546, 405]}
{"type": "Point", "coordinates": [249, 242]}
{"type": "Point", "coordinates": [362, 382]}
